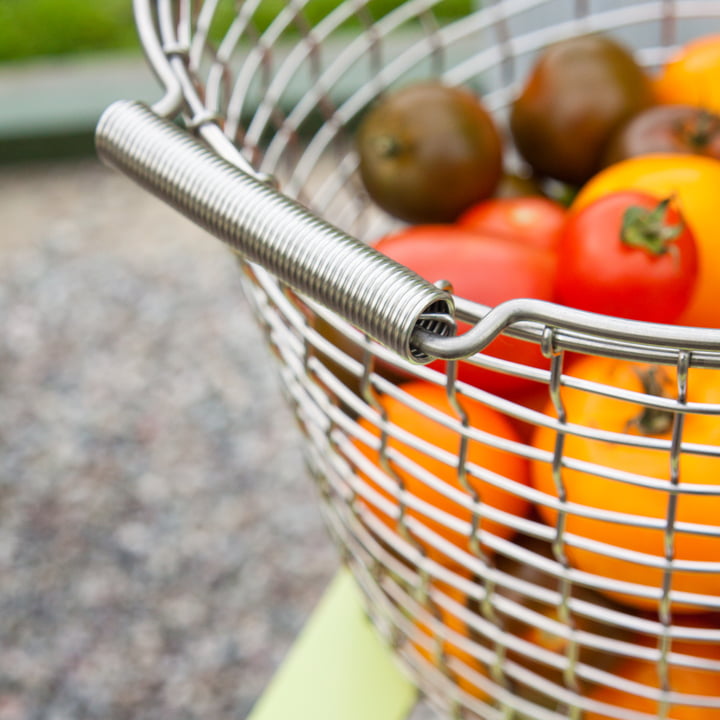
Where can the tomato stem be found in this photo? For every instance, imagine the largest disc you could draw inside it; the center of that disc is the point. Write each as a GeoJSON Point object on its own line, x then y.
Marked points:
{"type": "Point", "coordinates": [698, 131]}
{"type": "Point", "coordinates": [648, 229]}
{"type": "Point", "coordinates": [387, 146]}
{"type": "Point", "coordinates": [653, 421]}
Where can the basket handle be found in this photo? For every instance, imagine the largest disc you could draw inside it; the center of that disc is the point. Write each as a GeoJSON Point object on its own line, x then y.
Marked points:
{"type": "Point", "coordinates": [376, 294]}
{"type": "Point", "coordinates": [386, 300]}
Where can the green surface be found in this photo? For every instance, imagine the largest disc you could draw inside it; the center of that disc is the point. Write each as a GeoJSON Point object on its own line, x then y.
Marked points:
{"type": "Point", "coordinates": [338, 669]}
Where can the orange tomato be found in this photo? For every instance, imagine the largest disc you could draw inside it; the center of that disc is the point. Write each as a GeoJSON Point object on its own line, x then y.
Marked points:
{"type": "Point", "coordinates": [582, 486]}
{"type": "Point", "coordinates": [436, 435]}
{"type": "Point", "coordinates": [692, 75]}
{"type": "Point", "coordinates": [693, 181]}
{"type": "Point", "coordinates": [684, 680]}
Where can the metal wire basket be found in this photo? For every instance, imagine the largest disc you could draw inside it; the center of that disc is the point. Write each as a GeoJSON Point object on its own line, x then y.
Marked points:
{"type": "Point", "coordinates": [486, 607]}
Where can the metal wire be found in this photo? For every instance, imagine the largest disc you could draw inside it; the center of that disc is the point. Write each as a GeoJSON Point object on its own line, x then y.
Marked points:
{"type": "Point", "coordinates": [499, 626]}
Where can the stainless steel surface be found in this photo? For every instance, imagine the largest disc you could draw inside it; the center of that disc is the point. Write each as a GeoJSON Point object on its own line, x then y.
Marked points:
{"type": "Point", "coordinates": [279, 101]}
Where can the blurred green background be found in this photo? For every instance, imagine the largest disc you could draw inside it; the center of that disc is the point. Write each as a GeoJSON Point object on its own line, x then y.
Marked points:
{"type": "Point", "coordinates": [31, 28]}
{"type": "Point", "coordinates": [63, 61]}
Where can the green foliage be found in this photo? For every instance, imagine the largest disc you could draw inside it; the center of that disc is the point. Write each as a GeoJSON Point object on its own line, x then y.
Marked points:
{"type": "Point", "coordinates": [316, 10]}
{"type": "Point", "coordinates": [55, 27]}
{"type": "Point", "coordinates": [52, 27]}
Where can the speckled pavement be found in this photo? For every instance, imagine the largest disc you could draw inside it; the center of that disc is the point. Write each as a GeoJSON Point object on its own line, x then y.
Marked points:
{"type": "Point", "coordinates": [160, 542]}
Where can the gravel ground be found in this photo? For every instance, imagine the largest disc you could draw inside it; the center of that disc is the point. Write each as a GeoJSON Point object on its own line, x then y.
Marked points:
{"type": "Point", "coordinates": [160, 543]}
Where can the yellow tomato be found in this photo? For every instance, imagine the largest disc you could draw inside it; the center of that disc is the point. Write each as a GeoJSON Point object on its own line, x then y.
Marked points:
{"type": "Point", "coordinates": [694, 182]}
{"type": "Point", "coordinates": [585, 488]}
{"type": "Point", "coordinates": [692, 75]}
{"type": "Point", "coordinates": [687, 683]}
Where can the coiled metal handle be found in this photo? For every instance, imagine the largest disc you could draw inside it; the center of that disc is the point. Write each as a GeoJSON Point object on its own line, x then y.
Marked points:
{"type": "Point", "coordinates": [378, 295]}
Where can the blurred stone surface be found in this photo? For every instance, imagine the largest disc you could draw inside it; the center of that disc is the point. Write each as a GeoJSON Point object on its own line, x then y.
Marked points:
{"type": "Point", "coordinates": [160, 540]}
{"type": "Point", "coordinates": [161, 544]}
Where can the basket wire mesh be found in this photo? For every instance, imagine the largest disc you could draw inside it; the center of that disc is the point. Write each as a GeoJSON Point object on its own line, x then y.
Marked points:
{"type": "Point", "coordinates": [501, 624]}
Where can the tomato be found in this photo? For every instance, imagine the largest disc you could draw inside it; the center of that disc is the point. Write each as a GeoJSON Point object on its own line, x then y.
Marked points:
{"type": "Point", "coordinates": [485, 269]}
{"type": "Point", "coordinates": [438, 436]}
{"type": "Point", "coordinates": [688, 681]}
{"type": "Point", "coordinates": [592, 412]}
{"type": "Point", "coordinates": [630, 255]}
{"type": "Point", "coordinates": [577, 93]}
{"type": "Point", "coordinates": [692, 75]}
{"type": "Point", "coordinates": [513, 185]}
{"type": "Point", "coordinates": [666, 129]}
{"type": "Point", "coordinates": [536, 221]}
{"type": "Point", "coordinates": [692, 181]}
{"type": "Point", "coordinates": [428, 151]}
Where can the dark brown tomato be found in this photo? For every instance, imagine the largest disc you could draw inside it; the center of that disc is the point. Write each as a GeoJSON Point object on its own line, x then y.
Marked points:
{"type": "Point", "coordinates": [666, 129]}
{"type": "Point", "coordinates": [512, 185]}
{"type": "Point", "coordinates": [428, 151]}
{"type": "Point", "coordinates": [578, 92]}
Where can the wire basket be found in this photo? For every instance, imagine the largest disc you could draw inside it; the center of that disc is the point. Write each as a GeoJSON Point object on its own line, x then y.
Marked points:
{"type": "Point", "coordinates": [502, 598]}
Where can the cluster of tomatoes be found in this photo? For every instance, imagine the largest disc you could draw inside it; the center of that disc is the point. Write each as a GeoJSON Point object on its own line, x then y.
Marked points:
{"type": "Point", "coordinates": [632, 234]}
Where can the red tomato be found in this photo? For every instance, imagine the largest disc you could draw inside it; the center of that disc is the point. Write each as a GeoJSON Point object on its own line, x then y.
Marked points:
{"type": "Point", "coordinates": [535, 220]}
{"type": "Point", "coordinates": [485, 269]}
{"type": "Point", "coordinates": [628, 254]}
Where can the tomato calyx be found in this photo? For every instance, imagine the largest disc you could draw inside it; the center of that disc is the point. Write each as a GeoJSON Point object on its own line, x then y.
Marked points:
{"type": "Point", "coordinates": [648, 229]}
{"type": "Point", "coordinates": [700, 130]}
{"type": "Point", "coordinates": [387, 146]}
{"type": "Point", "coordinates": [650, 420]}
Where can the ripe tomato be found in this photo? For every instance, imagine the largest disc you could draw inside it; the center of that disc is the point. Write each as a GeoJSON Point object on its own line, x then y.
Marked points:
{"type": "Point", "coordinates": [578, 91]}
{"type": "Point", "coordinates": [534, 220]}
{"type": "Point", "coordinates": [666, 129]}
{"type": "Point", "coordinates": [583, 487]}
{"type": "Point", "coordinates": [692, 181]}
{"type": "Point", "coordinates": [627, 254]}
{"type": "Point", "coordinates": [692, 75]}
{"type": "Point", "coordinates": [698, 682]}
{"type": "Point", "coordinates": [487, 270]}
{"type": "Point", "coordinates": [438, 436]}
{"type": "Point", "coordinates": [514, 185]}
{"type": "Point", "coordinates": [427, 151]}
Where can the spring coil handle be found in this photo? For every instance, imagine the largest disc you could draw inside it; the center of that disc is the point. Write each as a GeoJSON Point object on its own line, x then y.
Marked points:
{"type": "Point", "coordinates": [376, 294]}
